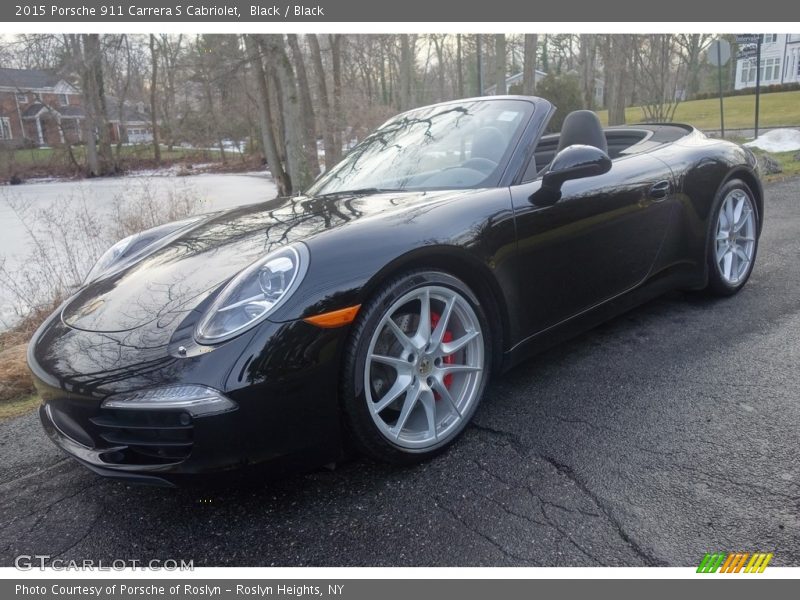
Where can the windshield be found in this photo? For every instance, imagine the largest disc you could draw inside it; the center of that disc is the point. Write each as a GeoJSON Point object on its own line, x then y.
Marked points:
{"type": "Point", "coordinates": [455, 145]}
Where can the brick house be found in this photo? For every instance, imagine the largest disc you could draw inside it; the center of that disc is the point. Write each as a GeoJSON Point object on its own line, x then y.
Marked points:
{"type": "Point", "coordinates": [38, 107]}
{"type": "Point", "coordinates": [41, 108]}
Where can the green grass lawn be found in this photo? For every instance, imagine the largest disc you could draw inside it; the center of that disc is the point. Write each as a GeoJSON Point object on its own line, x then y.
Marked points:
{"type": "Point", "coordinates": [790, 166]}
{"type": "Point", "coordinates": [43, 156]}
{"type": "Point", "coordinates": [781, 108]}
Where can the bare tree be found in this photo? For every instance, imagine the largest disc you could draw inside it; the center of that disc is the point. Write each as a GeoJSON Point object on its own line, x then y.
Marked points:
{"type": "Point", "coordinates": [382, 75]}
{"type": "Point", "coordinates": [691, 47]}
{"type": "Point", "coordinates": [332, 156]}
{"type": "Point", "coordinates": [86, 54]}
{"type": "Point", "coordinates": [459, 68]}
{"type": "Point", "coordinates": [119, 59]}
{"type": "Point", "coordinates": [406, 72]}
{"type": "Point", "coordinates": [616, 52]}
{"type": "Point", "coordinates": [171, 51]}
{"type": "Point", "coordinates": [529, 64]}
{"type": "Point", "coordinates": [656, 61]}
{"type": "Point", "coordinates": [500, 63]}
{"type": "Point", "coordinates": [300, 171]}
{"type": "Point", "coordinates": [439, 42]}
{"type": "Point", "coordinates": [153, 102]}
{"type": "Point", "coordinates": [35, 51]}
{"type": "Point", "coordinates": [94, 58]}
{"type": "Point", "coordinates": [588, 58]}
{"type": "Point", "coordinates": [335, 42]}
{"type": "Point", "coordinates": [204, 47]}
{"type": "Point", "coordinates": [561, 48]}
{"type": "Point", "coordinates": [280, 92]}
{"type": "Point", "coordinates": [307, 113]}
{"type": "Point", "coordinates": [269, 144]}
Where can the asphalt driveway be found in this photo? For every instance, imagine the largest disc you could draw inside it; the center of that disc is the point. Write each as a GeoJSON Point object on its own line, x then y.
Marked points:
{"type": "Point", "coordinates": [665, 434]}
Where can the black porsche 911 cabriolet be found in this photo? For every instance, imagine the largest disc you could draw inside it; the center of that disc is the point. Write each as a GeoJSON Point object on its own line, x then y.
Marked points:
{"type": "Point", "coordinates": [370, 311]}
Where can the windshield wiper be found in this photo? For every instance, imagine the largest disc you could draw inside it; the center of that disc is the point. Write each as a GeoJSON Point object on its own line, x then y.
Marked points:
{"type": "Point", "coordinates": [360, 192]}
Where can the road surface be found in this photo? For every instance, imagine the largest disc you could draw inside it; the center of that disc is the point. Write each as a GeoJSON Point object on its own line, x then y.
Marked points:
{"type": "Point", "coordinates": [667, 433]}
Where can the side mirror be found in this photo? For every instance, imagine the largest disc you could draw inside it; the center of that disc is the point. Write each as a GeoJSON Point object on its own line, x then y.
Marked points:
{"type": "Point", "coordinates": [573, 162]}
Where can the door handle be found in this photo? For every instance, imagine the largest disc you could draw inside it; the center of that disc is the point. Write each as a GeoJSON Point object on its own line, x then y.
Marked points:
{"type": "Point", "coordinates": [660, 190]}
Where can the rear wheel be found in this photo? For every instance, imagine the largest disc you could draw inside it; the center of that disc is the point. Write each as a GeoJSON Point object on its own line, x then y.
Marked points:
{"type": "Point", "coordinates": [733, 239]}
{"type": "Point", "coordinates": [416, 367]}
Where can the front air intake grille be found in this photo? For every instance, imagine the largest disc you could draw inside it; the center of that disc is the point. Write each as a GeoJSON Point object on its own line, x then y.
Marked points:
{"type": "Point", "coordinates": [147, 437]}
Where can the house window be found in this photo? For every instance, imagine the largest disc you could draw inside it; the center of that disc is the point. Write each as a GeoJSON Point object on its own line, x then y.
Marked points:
{"type": "Point", "coordinates": [793, 37]}
{"type": "Point", "coordinates": [769, 38]}
{"type": "Point", "coordinates": [770, 69]}
{"type": "Point", "coordinates": [5, 128]}
{"type": "Point", "coordinates": [63, 99]}
{"type": "Point", "coordinates": [749, 71]}
{"type": "Point", "coordinates": [22, 97]}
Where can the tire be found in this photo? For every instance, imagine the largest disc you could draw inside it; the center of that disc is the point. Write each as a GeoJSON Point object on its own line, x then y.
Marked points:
{"type": "Point", "coordinates": [404, 399]}
{"type": "Point", "coordinates": [726, 251]}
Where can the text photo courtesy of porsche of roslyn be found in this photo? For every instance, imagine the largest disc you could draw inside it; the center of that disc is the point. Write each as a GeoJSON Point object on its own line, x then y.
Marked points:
{"type": "Point", "coordinates": [398, 299]}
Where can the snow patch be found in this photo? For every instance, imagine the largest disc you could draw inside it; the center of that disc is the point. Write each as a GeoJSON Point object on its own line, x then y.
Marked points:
{"type": "Point", "coordinates": [777, 140]}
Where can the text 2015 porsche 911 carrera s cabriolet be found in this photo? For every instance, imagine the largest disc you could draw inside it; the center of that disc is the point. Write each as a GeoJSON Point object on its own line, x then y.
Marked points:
{"type": "Point", "coordinates": [370, 311]}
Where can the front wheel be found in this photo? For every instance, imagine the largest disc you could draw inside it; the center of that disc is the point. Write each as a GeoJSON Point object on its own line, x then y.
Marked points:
{"type": "Point", "coordinates": [733, 238]}
{"type": "Point", "coordinates": [416, 367]}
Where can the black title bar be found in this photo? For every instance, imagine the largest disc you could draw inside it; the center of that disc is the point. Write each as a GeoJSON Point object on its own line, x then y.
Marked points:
{"type": "Point", "coordinates": [441, 11]}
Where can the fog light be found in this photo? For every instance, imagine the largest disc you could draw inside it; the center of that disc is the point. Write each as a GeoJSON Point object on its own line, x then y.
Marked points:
{"type": "Point", "coordinates": [114, 457]}
{"type": "Point", "coordinates": [197, 400]}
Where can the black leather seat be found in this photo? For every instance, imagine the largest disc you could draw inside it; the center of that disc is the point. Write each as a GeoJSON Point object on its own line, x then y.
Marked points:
{"type": "Point", "coordinates": [582, 127]}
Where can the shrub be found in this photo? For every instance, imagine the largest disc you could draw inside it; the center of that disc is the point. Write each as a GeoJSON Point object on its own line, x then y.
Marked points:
{"type": "Point", "coordinates": [66, 239]}
{"type": "Point", "coordinates": [564, 91]}
{"type": "Point", "coordinates": [769, 165]}
{"type": "Point", "coordinates": [765, 89]}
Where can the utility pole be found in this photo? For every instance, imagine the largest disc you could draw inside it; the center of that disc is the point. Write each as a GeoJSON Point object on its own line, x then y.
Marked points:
{"type": "Point", "coordinates": [721, 109]}
{"type": "Point", "coordinates": [720, 62]}
{"type": "Point", "coordinates": [758, 80]}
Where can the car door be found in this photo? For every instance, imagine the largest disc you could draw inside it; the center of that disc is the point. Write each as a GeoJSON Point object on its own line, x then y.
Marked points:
{"type": "Point", "coordinates": [598, 241]}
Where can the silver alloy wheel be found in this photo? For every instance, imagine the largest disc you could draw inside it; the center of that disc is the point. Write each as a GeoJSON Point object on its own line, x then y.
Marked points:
{"type": "Point", "coordinates": [736, 236]}
{"type": "Point", "coordinates": [424, 367]}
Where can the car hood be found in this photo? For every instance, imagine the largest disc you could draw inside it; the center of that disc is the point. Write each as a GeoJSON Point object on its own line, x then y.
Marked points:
{"type": "Point", "coordinates": [175, 279]}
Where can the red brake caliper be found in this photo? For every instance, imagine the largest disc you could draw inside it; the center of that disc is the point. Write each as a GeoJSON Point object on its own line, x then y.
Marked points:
{"type": "Point", "coordinates": [448, 337]}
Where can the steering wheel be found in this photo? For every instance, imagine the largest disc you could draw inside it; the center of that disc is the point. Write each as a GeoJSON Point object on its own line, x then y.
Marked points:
{"type": "Point", "coordinates": [484, 165]}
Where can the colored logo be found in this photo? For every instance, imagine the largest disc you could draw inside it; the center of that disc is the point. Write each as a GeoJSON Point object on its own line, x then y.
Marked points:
{"type": "Point", "coordinates": [734, 562]}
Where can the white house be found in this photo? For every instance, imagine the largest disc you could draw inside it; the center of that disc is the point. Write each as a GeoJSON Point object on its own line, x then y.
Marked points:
{"type": "Point", "coordinates": [780, 61]}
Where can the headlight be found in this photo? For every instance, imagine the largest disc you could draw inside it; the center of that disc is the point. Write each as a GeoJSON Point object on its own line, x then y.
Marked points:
{"type": "Point", "coordinates": [253, 294]}
{"type": "Point", "coordinates": [134, 248]}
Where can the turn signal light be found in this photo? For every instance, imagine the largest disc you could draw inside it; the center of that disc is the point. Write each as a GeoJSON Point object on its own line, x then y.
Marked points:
{"type": "Point", "coordinates": [336, 318]}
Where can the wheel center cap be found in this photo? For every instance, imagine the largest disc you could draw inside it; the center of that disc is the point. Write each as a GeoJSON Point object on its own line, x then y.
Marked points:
{"type": "Point", "coordinates": [425, 366]}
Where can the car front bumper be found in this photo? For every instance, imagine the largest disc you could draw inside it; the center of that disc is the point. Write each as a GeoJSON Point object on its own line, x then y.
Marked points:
{"type": "Point", "coordinates": [281, 380]}
{"type": "Point", "coordinates": [146, 446]}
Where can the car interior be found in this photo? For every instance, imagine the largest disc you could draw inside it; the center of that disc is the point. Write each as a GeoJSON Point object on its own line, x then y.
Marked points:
{"type": "Point", "coordinates": [482, 150]}
{"type": "Point", "coordinates": [584, 127]}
